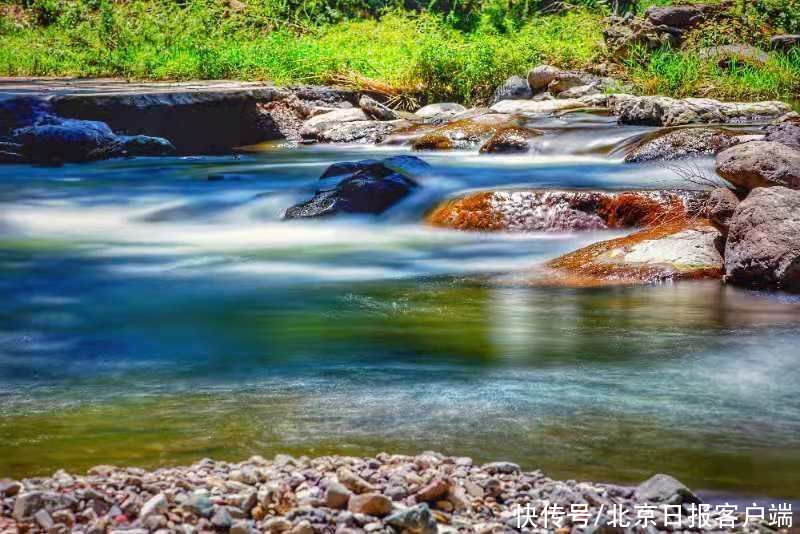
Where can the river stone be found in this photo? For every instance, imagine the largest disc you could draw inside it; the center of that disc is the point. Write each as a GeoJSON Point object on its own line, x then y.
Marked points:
{"type": "Point", "coordinates": [368, 131]}
{"type": "Point", "coordinates": [443, 109]}
{"type": "Point", "coordinates": [434, 491]}
{"type": "Point", "coordinates": [505, 468]}
{"type": "Point", "coordinates": [721, 204]}
{"type": "Point", "coordinates": [373, 504]}
{"type": "Point", "coordinates": [28, 503]}
{"type": "Point", "coordinates": [339, 115]}
{"type": "Point", "coordinates": [375, 109]}
{"type": "Point", "coordinates": [786, 133]}
{"type": "Point", "coordinates": [763, 246]}
{"type": "Point", "coordinates": [537, 107]}
{"type": "Point", "coordinates": [664, 489]}
{"type": "Point", "coordinates": [514, 88]}
{"type": "Point", "coordinates": [353, 482]}
{"type": "Point", "coordinates": [760, 164]}
{"type": "Point", "coordinates": [199, 504]}
{"type": "Point", "coordinates": [666, 111]}
{"type": "Point", "coordinates": [155, 505]}
{"type": "Point", "coordinates": [512, 139]}
{"type": "Point", "coordinates": [414, 520]}
{"type": "Point", "coordinates": [9, 488]}
{"type": "Point", "coordinates": [682, 17]}
{"type": "Point", "coordinates": [540, 76]}
{"type": "Point", "coordinates": [336, 496]}
{"type": "Point", "coordinates": [681, 144]}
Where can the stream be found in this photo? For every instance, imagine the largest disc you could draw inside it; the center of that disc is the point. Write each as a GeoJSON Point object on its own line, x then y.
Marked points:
{"type": "Point", "coordinates": [155, 311]}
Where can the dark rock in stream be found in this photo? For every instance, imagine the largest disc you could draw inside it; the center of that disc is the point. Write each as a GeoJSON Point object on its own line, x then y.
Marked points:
{"type": "Point", "coordinates": [368, 186]}
{"type": "Point", "coordinates": [683, 143]}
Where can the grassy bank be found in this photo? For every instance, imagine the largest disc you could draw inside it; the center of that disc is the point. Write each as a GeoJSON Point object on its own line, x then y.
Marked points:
{"type": "Point", "coordinates": [435, 54]}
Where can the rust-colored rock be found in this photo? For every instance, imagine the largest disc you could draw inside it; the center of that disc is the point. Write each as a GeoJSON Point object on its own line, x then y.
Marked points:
{"type": "Point", "coordinates": [436, 490]}
{"type": "Point", "coordinates": [509, 140]}
{"type": "Point", "coordinates": [433, 141]}
{"type": "Point", "coordinates": [373, 504]}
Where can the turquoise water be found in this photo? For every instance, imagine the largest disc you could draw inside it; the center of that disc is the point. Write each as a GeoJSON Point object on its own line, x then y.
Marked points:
{"type": "Point", "coordinates": [151, 316]}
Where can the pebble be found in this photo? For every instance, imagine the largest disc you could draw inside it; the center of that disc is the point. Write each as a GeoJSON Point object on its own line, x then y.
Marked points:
{"type": "Point", "coordinates": [390, 493]}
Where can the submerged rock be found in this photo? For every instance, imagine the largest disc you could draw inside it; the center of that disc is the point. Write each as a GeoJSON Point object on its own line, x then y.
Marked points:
{"type": "Point", "coordinates": [683, 143]}
{"type": "Point", "coordinates": [763, 245]}
{"type": "Point", "coordinates": [549, 210]}
{"type": "Point", "coordinates": [760, 164]}
{"type": "Point", "coordinates": [368, 187]}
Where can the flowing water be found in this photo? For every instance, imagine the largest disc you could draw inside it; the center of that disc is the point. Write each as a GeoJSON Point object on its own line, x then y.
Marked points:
{"type": "Point", "coordinates": [151, 316]}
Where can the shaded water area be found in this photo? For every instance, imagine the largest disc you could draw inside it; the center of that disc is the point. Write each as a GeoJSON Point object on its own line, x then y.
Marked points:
{"type": "Point", "coordinates": [151, 316]}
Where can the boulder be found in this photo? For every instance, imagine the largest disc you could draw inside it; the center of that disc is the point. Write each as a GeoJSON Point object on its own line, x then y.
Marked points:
{"type": "Point", "coordinates": [784, 42]}
{"type": "Point", "coordinates": [463, 133]}
{"type": "Point", "coordinates": [763, 245]}
{"type": "Point", "coordinates": [541, 76]}
{"type": "Point", "coordinates": [19, 111]}
{"type": "Point", "coordinates": [433, 141]}
{"type": "Point", "coordinates": [625, 34]}
{"type": "Point", "coordinates": [722, 202]}
{"type": "Point", "coordinates": [336, 116]}
{"type": "Point", "coordinates": [666, 111]}
{"type": "Point", "coordinates": [444, 109]}
{"type": "Point", "coordinates": [414, 520]}
{"type": "Point", "coordinates": [677, 249]}
{"type": "Point", "coordinates": [514, 88]}
{"type": "Point", "coordinates": [664, 489]}
{"type": "Point", "coordinates": [565, 80]}
{"type": "Point", "coordinates": [553, 210]}
{"type": "Point", "coordinates": [581, 91]}
{"type": "Point", "coordinates": [368, 131]}
{"type": "Point", "coordinates": [436, 490]}
{"type": "Point", "coordinates": [726, 55]}
{"type": "Point", "coordinates": [760, 164]}
{"type": "Point", "coordinates": [786, 133]}
{"type": "Point", "coordinates": [536, 107]}
{"type": "Point", "coordinates": [368, 187]}
{"type": "Point", "coordinates": [681, 144]}
{"type": "Point", "coordinates": [512, 139]}
{"type": "Point", "coordinates": [56, 140]}
{"type": "Point", "coordinates": [681, 17]}
{"type": "Point", "coordinates": [376, 110]}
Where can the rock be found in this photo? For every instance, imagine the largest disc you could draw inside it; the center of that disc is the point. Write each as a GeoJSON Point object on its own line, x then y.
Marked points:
{"type": "Point", "coordinates": [336, 496]}
{"type": "Point", "coordinates": [337, 116]}
{"type": "Point", "coordinates": [565, 80]}
{"type": "Point", "coordinates": [514, 88]}
{"type": "Point", "coordinates": [18, 111]}
{"type": "Point", "coordinates": [784, 43]}
{"type": "Point", "coordinates": [677, 249]}
{"type": "Point", "coordinates": [241, 527]}
{"type": "Point", "coordinates": [553, 210]}
{"type": "Point", "coordinates": [622, 35]}
{"type": "Point", "coordinates": [682, 17]}
{"type": "Point", "coordinates": [142, 145]}
{"type": "Point", "coordinates": [726, 55]}
{"type": "Point", "coordinates": [665, 111]}
{"type": "Point", "coordinates": [681, 144]}
{"type": "Point", "coordinates": [222, 520]}
{"type": "Point", "coordinates": [505, 468]}
{"type": "Point", "coordinates": [155, 505]}
{"type": "Point", "coordinates": [541, 76]}
{"type": "Point", "coordinates": [43, 519]}
{"type": "Point", "coordinates": [760, 164]}
{"type": "Point", "coordinates": [199, 504]}
{"type": "Point", "coordinates": [353, 131]}
{"type": "Point", "coordinates": [720, 207]}
{"type": "Point", "coordinates": [509, 140]}
{"type": "Point", "coordinates": [353, 482]}
{"type": "Point", "coordinates": [433, 141]}
{"type": "Point", "coordinates": [786, 133]}
{"type": "Point", "coordinates": [763, 245]}
{"type": "Point", "coordinates": [581, 91]}
{"type": "Point", "coordinates": [414, 520]}
{"type": "Point", "coordinates": [664, 489]}
{"type": "Point", "coordinates": [534, 107]}
{"type": "Point", "coordinates": [444, 109]}
{"type": "Point", "coordinates": [376, 110]}
{"type": "Point", "coordinates": [373, 504]}
{"type": "Point", "coordinates": [28, 503]}
{"type": "Point", "coordinates": [302, 527]}
{"type": "Point", "coordinates": [277, 524]}
{"type": "Point", "coordinates": [9, 488]}
{"type": "Point", "coordinates": [436, 490]}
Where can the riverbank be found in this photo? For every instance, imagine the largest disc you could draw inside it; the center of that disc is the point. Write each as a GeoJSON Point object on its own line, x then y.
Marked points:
{"type": "Point", "coordinates": [421, 494]}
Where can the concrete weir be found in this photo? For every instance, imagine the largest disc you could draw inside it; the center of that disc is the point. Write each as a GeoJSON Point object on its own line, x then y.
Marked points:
{"type": "Point", "coordinates": [202, 117]}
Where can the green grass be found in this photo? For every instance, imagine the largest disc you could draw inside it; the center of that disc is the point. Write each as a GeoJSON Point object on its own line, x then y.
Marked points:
{"type": "Point", "coordinates": [443, 53]}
